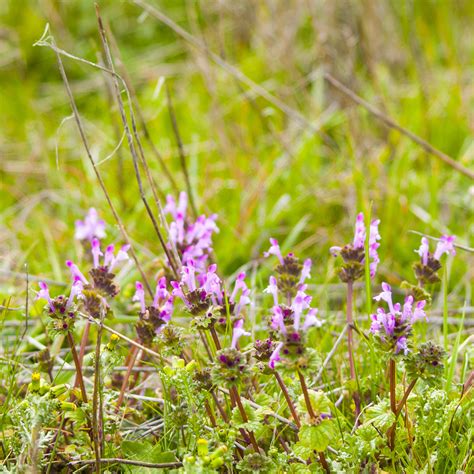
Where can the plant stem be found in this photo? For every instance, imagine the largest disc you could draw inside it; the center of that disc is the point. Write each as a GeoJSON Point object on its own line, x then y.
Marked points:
{"type": "Point", "coordinates": [210, 414]}
{"type": "Point", "coordinates": [78, 366]}
{"type": "Point", "coordinates": [245, 418]}
{"type": "Point", "coordinates": [322, 460]}
{"type": "Point", "coordinates": [82, 349]}
{"type": "Point", "coordinates": [307, 399]}
{"type": "Point", "coordinates": [219, 407]}
{"type": "Point", "coordinates": [405, 397]}
{"type": "Point", "coordinates": [96, 408]}
{"type": "Point", "coordinates": [350, 349]}
{"type": "Point", "coordinates": [215, 338]}
{"type": "Point", "coordinates": [288, 399]}
{"type": "Point", "coordinates": [393, 402]}
{"type": "Point", "coordinates": [133, 357]}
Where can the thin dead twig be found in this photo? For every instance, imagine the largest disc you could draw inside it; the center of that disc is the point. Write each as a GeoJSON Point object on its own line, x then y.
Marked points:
{"type": "Point", "coordinates": [389, 122]}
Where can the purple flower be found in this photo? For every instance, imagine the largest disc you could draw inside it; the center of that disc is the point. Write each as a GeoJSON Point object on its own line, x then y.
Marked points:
{"type": "Point", "coordinates": [76, 292]}
{"type": "Point", "coordinates": [287, 319]}
{"type": "Point", "coordinates": [162, 306]}
{"type": "Point", "coordinates": [208, 286]}
{"type": "Point", "coordinates": [272, 288]}
{"type": "Point", "coordinates": [275, 357]}
{"type": "Point", "coordinates": [110, 260]}
{"type": "Point", "coordinates": [75, 272]}
{"type": "Point", "coordinates": [193, 240]}
{"type": "Point", "coordinates": [359, 234]}
{"type": "Point", "coordinates": [43, 293]}
{"type": "Point", "coordinates": [139, 296]}
{"type": "Point", "coordinates": [424, 250]}
{"type": "Point", "coordinates": [444, 245]}
{"type": "Point", "coordinates": [306, 271]}
{"type": "Point", "coordinates": [355, 252]}
{"type": "Point", "coordinates": [394, 327]}
{"type": "Point", "coordinates": [274, 250]}
{"type": "Point", "coordinates": [238, 333]}
{"type": "Point", "coordinates": [90, 227]}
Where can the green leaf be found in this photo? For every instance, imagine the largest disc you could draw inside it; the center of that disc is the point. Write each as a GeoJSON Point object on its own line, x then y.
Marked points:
{"type": "Point", "coordinates": [302, 451]}
{"type": "Point", "coordinates": [318, 437]}
{"type": "Point", "coordinates": [145, 451]}
{"type": "Point", "coordinates": [253, 423]}
{"type": "Point", "coordinates": [319, 401]}
{"type": "Point", "coordinates": [380, 416]}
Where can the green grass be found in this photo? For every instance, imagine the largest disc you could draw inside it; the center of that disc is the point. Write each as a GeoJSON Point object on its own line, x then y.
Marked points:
{"type": "Point", "coordinates": [262, 171]}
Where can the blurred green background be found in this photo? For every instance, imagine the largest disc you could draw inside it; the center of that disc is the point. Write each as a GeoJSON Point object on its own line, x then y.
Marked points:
{"type": "Point", "coordinates": [259, 169]}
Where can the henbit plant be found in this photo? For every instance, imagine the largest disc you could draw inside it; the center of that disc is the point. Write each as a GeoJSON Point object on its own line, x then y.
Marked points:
{"type": "Point", "coordinates": [206, 403]}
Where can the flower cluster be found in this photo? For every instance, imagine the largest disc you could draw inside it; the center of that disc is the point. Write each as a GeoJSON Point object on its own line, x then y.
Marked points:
{"type": "Point", "coordinates": [353, 254]}
{"type": "Point", "coordinates": [102, 272]}
{"type": "Point", "coordinates": [291, 318]}
{"type": "Point", "coordinates": [192, 239]}
{"type": "Point", "coordinates": [427, 363]}
{"type": "Point", "coordinates": [91, 227]}
{"type": "Point", "coordinates": [153, 318]}
{"type": "Point", "coordinates": [394, 327]}
{"type": "Point", "coordinates": [205, 298]}
{"type": "Point", "coordinates": [61, 309]}
{"type": "Point", "coordinates": [426, 269]}
{"type": "Point", "coordinates": [102, 284]}
{"type": "Point", "coordinates": [231, 364]}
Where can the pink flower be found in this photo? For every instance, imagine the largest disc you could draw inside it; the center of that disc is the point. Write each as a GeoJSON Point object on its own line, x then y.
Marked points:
{"type": "Point", "coordinates": [238, 333]}
{"type": "Point", "coordinates": [75, 272]}
{"type": "Point", "coordinates": [43, 293]}
{"type": "Point", "coordinates": [306, 271]}
{"type": "Point", "coordinates": [275, 357]}
{"type": "Point", "coordinates": [272, 289]}
{"type": "Point", "coordinates": [90, 227]}
{"type": "Point", "coordinates": [424, 250]}
{"type": "Point", "coordinates": [140, 296]}
{"type": "Point", "coordinates": [445, 245]}
{"type": "Point", "coordinates": [394, 327]}
{"type": "Point", "coordinates": [192, 238]}
{"type": "Point", "coordinates": [274, 250]}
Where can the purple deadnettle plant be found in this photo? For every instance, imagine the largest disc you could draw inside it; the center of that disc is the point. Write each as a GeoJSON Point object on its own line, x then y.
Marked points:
{"type": "Point", "coordinates": [393, 327]}
{"type": "Point", "coordinates": [426, 270]}
{"type": "Point", "coordinates": [153, 318]}
{"type": "Point", "coordinates": [353, 268]}
{"type": "Point", "coordinates": [61, 309]}
{"type": "Point", "coordinates": [91, 227]}
{"type": "Point", "coordinates": [191, 239]}
{"type": "Point", "coordinates": [205, 298]}
{"type": "Point", "coordinates": [353, 254]}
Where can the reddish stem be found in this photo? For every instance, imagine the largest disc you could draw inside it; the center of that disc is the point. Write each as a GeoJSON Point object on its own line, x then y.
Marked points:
{"type": "Point", "coordinates": [307, 399]}
{"type": "Point", "coordinates": [245, 418]}
{"type": "Point", "coordinates": [393, 402]}
{"type": "Point", "coordinates": [350, 344]}
{"type": "Point", "coordinates": [288, 399]}
{"type": "Point", "coordinates": [77, 363]}
{"type": "Point", "coordinates": [215, 338]}
{"type": "Point", "coordinates": [131, 363]}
